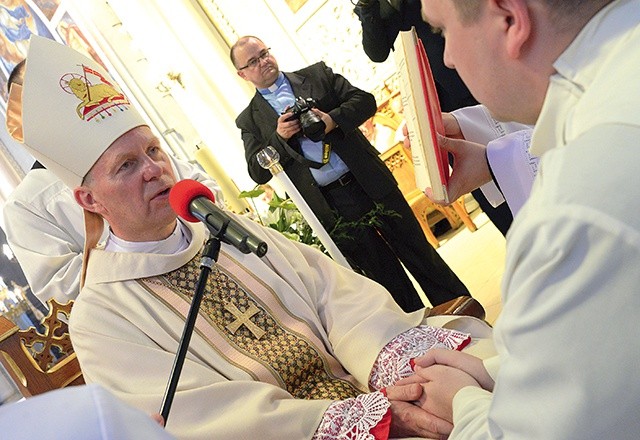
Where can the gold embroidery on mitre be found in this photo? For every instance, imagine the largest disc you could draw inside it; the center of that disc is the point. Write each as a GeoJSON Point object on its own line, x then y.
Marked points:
{"type": "Point", "coordinates": [297, 363]}
{"type": "Point", "coordinates": [98, 96]}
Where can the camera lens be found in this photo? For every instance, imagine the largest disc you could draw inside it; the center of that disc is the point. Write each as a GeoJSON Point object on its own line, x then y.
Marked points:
{"type": "Point", "coordinates": [312, 126]}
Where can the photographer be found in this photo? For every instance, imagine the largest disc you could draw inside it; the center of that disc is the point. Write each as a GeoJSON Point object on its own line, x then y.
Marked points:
{"type": "Point", "coordinates": [341, 175]}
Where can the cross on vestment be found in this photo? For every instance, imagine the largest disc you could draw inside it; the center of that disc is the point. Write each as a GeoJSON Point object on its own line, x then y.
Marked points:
{"type": "Point", "coordinates": [244, 319]}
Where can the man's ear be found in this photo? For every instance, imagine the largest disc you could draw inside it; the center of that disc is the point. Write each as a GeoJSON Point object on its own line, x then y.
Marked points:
{"type": "Point", "coordinates": [84, 198]}
{"type": "Point", "coordinates": [516, 19]}
{"type": "Point", "coordinates": [241, 74]}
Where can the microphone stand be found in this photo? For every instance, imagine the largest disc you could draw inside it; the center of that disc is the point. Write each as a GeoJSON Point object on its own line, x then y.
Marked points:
{"type": "Point", "coordinates": [209, 257]}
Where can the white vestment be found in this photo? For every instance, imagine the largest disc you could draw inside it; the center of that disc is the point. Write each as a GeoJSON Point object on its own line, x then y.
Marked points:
{"type": "Point", "coordinates": [125, 331]}
{"type": "Point", "coordinates": [566, 337]}
{"type": "Point", "coordinates": [510, 162]}
{"type": "Point", "coordinates": [86, 412]}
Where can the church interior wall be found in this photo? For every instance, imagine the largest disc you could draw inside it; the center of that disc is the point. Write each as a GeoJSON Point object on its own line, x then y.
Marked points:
{"type": "Point", "coordinates": [171, 56]}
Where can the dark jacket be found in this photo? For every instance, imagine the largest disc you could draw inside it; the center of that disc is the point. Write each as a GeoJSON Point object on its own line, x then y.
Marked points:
{"type": "Point", "coordinates": [381, 24]}
{"type": "Point", "coordinates": [348, 106]}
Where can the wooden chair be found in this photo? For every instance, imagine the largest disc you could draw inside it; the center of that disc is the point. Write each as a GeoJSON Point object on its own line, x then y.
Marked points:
{"type": "Point", "coordinates": [40, 362]}
{"type": "Point", "coordinates": [461, 306]}
{"type": "Point", "coordinates": [427, 212]}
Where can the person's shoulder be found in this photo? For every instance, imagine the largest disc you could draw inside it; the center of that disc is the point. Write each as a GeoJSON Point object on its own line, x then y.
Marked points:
{"type": "Point", "coordinates": [313, 68]}
{"type": "Point", "coordinates": [245, 114]}
{"type": "Point", "coordinates": [43, 176]}
{"type": "Point", "coordinates": [39, 183]}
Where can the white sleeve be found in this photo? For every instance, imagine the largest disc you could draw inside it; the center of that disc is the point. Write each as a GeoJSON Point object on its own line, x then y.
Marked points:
{"type": "Point", "coordinates": [568, 351]}
{"type": "Point", "coordinates": [44, 228]}
{"type": "Point", "coordinates": [478, 125]}
{"type": "Point", "coordinates": [512, 166]}
{"type": "Point", "coordinates": [86, 411]}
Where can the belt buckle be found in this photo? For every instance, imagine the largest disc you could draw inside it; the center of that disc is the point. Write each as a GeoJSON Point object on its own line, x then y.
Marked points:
{"type": "Point", "coordinates": [340, 182]}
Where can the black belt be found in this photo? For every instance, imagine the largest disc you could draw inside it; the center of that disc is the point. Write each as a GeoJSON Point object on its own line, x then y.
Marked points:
{"type": "Point", "coordinates": [341, 181]}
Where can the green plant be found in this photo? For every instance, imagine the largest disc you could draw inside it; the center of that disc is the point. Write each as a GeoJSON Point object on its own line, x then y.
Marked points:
{"type": "Point", "coordinates": [283, 216]}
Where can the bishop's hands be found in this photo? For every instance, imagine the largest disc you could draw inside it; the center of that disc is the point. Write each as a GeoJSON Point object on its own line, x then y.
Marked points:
{"type": "Point", "coordinates": [409, 419]}
{"type": "Point", "coordinates": [470, 167]}
{"type": "Point", "coordinates": [467, 363]}
{"type": "Point", "coordinates": [441, 374]}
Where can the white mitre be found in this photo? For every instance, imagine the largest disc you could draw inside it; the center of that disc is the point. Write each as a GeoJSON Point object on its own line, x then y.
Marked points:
{"type": "Point", "coordinates": [68, 111]}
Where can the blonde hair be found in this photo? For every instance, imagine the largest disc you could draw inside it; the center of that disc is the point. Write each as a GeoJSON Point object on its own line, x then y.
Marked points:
{"type": "Point", "coordinates": [468, 10]}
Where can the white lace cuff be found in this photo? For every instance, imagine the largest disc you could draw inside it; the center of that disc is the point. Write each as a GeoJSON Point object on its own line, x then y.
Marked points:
{"type": "Point", "coordinates": [353, 419]}
{"type": "Point", "coordinates": [394, 361]}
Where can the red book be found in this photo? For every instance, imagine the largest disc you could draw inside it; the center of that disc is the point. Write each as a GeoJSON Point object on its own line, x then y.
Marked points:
{"type": "Point", "coordinates": [423, 116]}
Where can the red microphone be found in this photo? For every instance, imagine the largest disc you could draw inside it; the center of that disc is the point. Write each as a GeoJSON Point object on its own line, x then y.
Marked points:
{"type": "Point", "coordinates": [194, 202]}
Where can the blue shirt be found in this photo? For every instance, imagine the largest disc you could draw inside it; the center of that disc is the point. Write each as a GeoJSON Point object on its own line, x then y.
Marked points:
{"type": "Point", "coordinates": [280, 96]}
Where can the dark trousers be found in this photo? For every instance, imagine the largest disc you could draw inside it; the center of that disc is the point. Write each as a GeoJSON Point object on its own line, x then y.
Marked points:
{"type": "Point", "coordinates": [378, 251]}
{"type": "Point", "coordinates": [500, 216]}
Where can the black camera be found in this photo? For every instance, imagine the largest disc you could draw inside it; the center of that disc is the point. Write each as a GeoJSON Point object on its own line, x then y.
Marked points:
{"type": "Point", "coordinates": [312, 126]}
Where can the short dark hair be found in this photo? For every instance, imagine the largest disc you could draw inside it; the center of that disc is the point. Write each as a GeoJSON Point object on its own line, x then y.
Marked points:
{"type": "Point", "coordinates": [241, 42]}
{"type": "Point", "coordinates": [16, 75]}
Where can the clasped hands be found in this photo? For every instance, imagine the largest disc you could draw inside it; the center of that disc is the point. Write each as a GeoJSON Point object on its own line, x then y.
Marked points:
{"type": "Point", "coordinates": [421, 404]}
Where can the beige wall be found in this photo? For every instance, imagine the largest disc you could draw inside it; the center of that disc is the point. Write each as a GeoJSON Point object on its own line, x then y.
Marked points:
{"type": "Point", "coordinates": [148, 42]}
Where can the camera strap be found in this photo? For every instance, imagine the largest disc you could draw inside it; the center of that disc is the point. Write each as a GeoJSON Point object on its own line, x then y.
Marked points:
{"type": "Point", "coordinates": [326, 152]}
{"type": "Point", "coordinates": [326, 155]}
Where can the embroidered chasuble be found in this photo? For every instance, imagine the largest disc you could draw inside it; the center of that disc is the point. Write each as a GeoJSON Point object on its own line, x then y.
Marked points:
{"type": "Point", "coordinates": [243, 319]}
{"type": "Point", "coordinates": [277, 341]}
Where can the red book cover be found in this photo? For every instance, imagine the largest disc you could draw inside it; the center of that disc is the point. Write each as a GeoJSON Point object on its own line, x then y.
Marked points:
{"type": "Point", "coordinates": [433, 110]}
{"type": "Point", "coordinates": [421, 110]}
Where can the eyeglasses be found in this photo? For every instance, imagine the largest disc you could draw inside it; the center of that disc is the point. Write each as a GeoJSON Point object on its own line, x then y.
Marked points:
{"type": "Point", "coordinates": [253, 62]}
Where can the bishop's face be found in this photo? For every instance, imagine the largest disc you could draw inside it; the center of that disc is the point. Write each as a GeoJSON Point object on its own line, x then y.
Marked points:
{"type": "Point", "coordinates": [255, 64]}
{"type": "Point", "coordinates": [129, 187]}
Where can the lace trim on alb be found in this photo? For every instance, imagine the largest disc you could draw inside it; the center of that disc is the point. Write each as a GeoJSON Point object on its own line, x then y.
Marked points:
{"type": "Point", "coordinates": [353, 419]}
{"type": "Point", "coordinates": [394, 361]}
